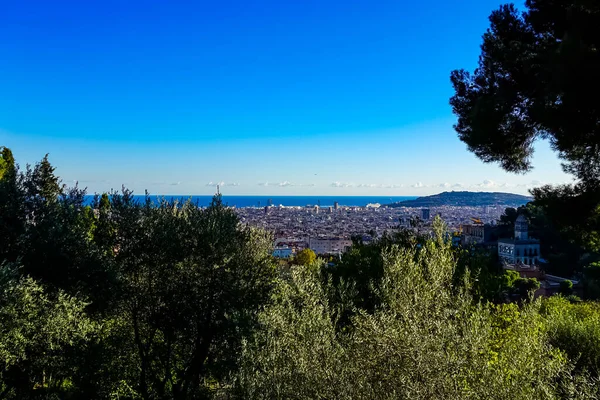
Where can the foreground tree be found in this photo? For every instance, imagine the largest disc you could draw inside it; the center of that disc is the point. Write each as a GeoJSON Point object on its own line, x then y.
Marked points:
{"type": "Point", "coordinates": [538, 78]}
{"type": "Point", "coordinates": [172, 288]}
{"type": "Point", "coordinates": [194, 281]}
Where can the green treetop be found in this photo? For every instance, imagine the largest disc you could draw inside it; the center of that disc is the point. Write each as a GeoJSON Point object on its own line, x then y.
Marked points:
{"type": "Point", "coordinates": [305, 257]}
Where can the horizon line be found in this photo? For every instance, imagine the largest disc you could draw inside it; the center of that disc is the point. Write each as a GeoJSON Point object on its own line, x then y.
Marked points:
{"type": "Point", "coordinates": [315, 195]}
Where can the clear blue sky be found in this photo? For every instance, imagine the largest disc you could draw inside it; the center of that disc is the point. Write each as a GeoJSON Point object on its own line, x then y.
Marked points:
{"type": "Point", "coordinates": [268, 97]}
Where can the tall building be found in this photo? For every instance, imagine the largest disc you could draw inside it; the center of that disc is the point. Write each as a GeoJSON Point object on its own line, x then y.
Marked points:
{"type": "Point", "coordinates": [336, 205]}
{"type": "Point", "coordinates": [425, 214]}
{"type": "Point", "coordinates": [522, 249]}
{"type": "Point", "coordinates": [521, 228]}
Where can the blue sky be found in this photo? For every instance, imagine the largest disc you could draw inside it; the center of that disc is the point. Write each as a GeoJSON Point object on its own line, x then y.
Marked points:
{"type": "Point", "coordinates": [265, 97]}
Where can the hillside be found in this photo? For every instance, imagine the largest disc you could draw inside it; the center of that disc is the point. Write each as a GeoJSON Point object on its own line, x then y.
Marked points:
{"type": "Point", "coordinates": [465, 199]}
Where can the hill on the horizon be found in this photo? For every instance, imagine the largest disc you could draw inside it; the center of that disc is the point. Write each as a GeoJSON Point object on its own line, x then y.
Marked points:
{"type": "Point", "coordinates": [465, 199]}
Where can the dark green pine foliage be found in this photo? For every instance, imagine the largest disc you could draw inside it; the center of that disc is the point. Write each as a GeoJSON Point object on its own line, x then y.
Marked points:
{"type": "Point", "coordinates": [57, 245]}
{"type": "Point", "coordinates": [105, 227]}
{"type": "Point", "coordinates": [538, 78]}
{"type": "Point", "coordinates": [12, 214]}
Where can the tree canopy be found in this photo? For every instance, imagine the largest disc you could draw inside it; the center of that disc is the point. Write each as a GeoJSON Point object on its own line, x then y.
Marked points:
{"type": "Point", "coordinates": [111, 297]}
{"type": "Point", "coordinates": [537, 78]}
{"type": "Point", "coordinates": [305, 257]}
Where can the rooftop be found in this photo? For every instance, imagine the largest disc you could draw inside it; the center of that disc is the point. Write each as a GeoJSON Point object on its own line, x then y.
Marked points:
{"type": "Point", "coordinates": [514, 241]}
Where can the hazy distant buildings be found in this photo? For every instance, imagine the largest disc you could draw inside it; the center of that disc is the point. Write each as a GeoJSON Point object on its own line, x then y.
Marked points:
{"type": "Point", "coordinates": [473, 234]}
{"type": "Point", "coordinates": [478, 234]}
{"type": "Point", "coordinates": [293, 226]}
{"type": "Point", "coordinates": [425, 214]}
{"type": "Point", "coordinates": [404, 221]}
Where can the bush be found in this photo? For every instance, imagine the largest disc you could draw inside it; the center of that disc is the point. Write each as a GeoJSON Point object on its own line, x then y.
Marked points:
{"type": "Point", "coordinates": [426, 340]}
{"type": "Point", "coordinates": [574, 328]}
{"type": "Point", "coordinates": [566, 287]}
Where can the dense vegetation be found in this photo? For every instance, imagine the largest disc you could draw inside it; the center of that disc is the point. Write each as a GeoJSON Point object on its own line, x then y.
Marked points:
{"type": "Point", "coordinates": [465, 199]}
{"type": "Point", "coordinates": [121, 298]}
{"type": "Point", "coordinates": [128, 300]}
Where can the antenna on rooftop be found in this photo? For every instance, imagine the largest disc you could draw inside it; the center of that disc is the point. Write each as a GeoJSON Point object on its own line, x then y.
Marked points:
{"type": "Point", "coordinates": [218, 191]}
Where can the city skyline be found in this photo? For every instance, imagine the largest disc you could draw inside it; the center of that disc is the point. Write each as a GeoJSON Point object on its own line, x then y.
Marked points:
{"type": "Point", "coordinates": [273, 99]}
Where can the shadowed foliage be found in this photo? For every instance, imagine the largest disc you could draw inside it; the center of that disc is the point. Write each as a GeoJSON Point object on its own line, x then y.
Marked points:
{"type": "Point", "coordinates": [537, 79]}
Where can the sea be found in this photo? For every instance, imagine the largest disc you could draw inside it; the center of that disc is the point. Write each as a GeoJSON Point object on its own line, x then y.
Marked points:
{"type": "Point", "coordinates": [288, 201]}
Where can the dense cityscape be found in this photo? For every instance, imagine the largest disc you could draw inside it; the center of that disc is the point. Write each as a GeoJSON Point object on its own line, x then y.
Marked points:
{"type": "Point", "coordinates": [295, 227]}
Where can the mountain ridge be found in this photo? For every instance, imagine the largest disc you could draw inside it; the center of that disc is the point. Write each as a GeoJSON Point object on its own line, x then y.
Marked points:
{"type": "Point", "coordinates": [465, 199]}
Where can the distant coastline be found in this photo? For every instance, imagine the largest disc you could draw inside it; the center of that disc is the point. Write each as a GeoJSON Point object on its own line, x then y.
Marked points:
{"type": "Point", "coordinates": [288, 201]}
{"type": "Point", "coordinates": [465, 199]}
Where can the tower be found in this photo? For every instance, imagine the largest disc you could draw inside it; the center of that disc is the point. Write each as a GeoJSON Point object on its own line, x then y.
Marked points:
{"type": "Point", "coordinates": [521, 228]}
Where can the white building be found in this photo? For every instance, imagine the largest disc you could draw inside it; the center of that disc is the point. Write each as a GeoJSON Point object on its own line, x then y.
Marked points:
{"type": "Point", "coordinates": [329, 245]}
{"type": "Point", "coordinates": [521, 249]}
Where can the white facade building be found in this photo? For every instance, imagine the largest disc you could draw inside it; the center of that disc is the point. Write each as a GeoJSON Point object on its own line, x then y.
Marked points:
{"type": "Point", "coordinates": [521, 249]}
{"type": "Point", "coordinates": [329, 245]}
